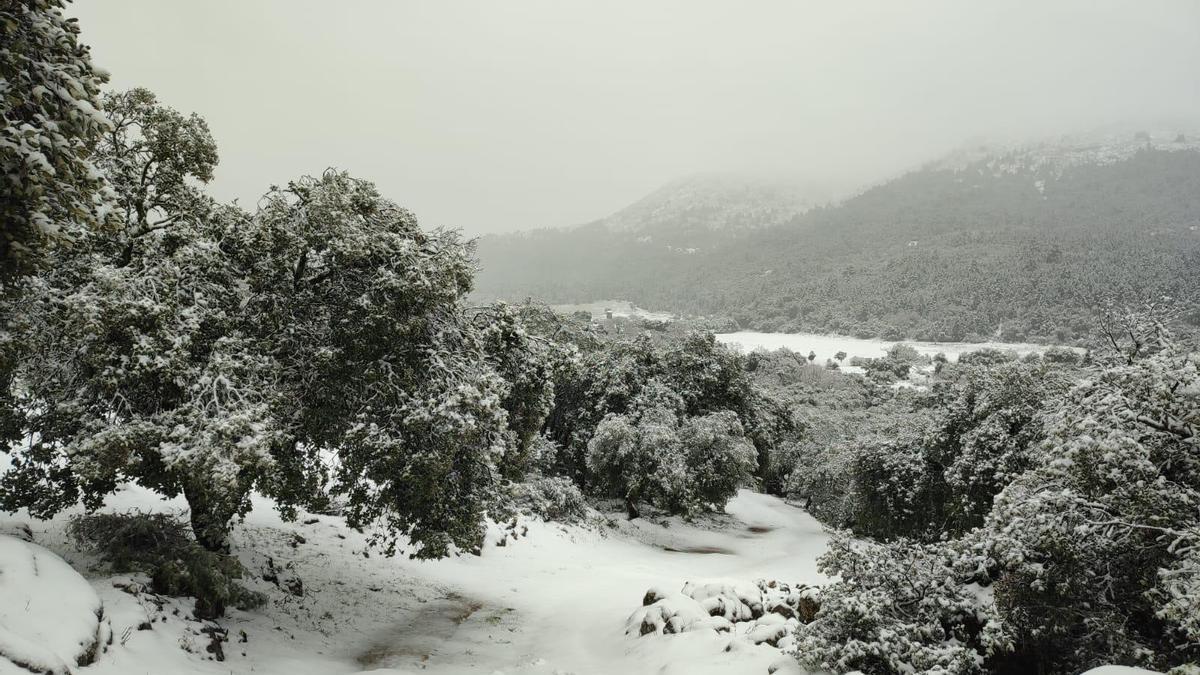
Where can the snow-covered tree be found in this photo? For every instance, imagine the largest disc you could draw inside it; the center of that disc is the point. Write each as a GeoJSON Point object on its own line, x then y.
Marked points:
{"type": "Point", "coordinates": [705, 376]}
{"type": "Point", "coordinates": [1089, 496]}
{"type": "Point", "coordinates": [1095, 546]}
{"type": "Point", "coordinates": [203, 351]}
{"type": "Point", "coordinates": [933, 470]}
{"type": "Point", "coordinates": [984, 432]}
{"type": "Point", "coordinates": [145, 372]}
{"type": "Point", "coordinates": [639, 460]}
{"type": "Point", "coordinates": [49, 118]}
{"type": "Point", "coordinates": [719, 459]}
{"type": "Point", "coordinates": [134, 363]}
{"type": "Point", "coordinates": [154, 158]}
{"type": "Point", "coordinates": [898, 608]}
{"type": "Point", "coordinates": [654, 454]}
{"type": "Point", "coordinates": [528, 364]}
{"type": "Point", "coordinates": [380, 368]}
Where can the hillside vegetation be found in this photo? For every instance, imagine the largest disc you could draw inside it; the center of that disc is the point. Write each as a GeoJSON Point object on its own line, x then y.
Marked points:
{"type": "Point", "coordinates": [1024, 246]}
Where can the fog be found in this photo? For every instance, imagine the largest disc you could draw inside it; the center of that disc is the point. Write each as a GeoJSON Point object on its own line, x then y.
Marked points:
{"type": "Point", "coordinates": [496, 116]}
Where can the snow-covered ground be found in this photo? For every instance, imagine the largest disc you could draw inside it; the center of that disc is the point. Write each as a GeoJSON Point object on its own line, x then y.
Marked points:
{"type": "Point", "coordinates": [554, 601]}
{"type": "Point", "coordinates": [826, 346]}
{"type": "Point", "coordinates": [617, 307]}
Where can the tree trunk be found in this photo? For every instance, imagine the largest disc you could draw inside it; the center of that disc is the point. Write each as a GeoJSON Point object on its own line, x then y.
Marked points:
{"type": "Point", "coordinates": [210, 515]}
{"type": "Point", "coordinates": [632, 509]}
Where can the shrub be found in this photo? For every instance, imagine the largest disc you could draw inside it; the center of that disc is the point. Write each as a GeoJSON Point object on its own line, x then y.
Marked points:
{"type": "Point", "coordinates": [898, 608]}
{"type": "Point", "coordinates": [988, 356]}
{"type": "Point", "coordinates": [718, 457]}
{"type": "Point", "coordinates": [159, 545]}
{"type": "Point", "coordinates": [683, 466]}
{"type": "Point", "coordinates": [552, 499]}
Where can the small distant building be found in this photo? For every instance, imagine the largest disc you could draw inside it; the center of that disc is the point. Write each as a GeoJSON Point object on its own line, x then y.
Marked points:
{"type": "Point", "coordinates": [608, 313]}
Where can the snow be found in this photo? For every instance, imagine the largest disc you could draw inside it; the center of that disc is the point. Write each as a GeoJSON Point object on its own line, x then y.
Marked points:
{"type": "Point", "coordinates": [621, 308]}
{"type": "Point", "coordinates": [553, 600]}
{"type": "Point", "coordinates": [49, 615]}
{"type": "Point", "coordinates": [826, 346]}
{"type": "Point", "coordinates": [1119, 670]}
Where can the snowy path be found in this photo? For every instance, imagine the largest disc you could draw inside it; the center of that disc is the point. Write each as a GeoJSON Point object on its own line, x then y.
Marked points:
{"type": "Point", "coordinates": [556, 601]}
{"type": "Point", "coordinates": [553, 602]}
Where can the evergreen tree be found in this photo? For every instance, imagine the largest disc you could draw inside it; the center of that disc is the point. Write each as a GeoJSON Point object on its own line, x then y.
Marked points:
{"type": "Point", "coordinates": [380, 369]}
{"type": "Point", "coordinates": [49, 118]}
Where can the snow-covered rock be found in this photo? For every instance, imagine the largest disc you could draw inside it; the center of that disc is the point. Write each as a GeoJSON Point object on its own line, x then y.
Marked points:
{"type": "Point", "coordinates": [51, 619]}
{"type": "Point", "coordinates": [763, 612]}
{"type": "Point", "coordinates": [675, 613]}
{"type": "Point", "coordinates": [734, 600]}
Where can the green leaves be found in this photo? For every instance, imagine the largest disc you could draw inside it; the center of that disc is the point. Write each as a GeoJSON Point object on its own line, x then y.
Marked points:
{"type": "Point", "coordinates": [50, 193]}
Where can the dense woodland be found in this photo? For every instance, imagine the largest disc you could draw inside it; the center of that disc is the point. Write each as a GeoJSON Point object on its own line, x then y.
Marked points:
{"type": "Point", "coordinates": [1039, 514]}
{"type": "Point", "coordinates": [941, 253]}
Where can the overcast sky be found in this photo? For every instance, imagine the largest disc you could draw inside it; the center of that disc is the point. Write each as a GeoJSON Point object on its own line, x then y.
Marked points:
{"type": "Point", "coordinates": [494, 116]}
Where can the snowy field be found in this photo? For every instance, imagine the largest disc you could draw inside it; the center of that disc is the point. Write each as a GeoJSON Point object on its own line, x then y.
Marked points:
{"type": "Point", "coordinates": [826, 346]}
{"type": "Point", "coordinates": [554, 601]}
{"type": "Point", "coordinates": [617, 307]}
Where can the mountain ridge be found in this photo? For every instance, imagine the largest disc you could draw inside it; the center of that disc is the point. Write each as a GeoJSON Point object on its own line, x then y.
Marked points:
{"type": "Point", "coordinates": [1034, 222]}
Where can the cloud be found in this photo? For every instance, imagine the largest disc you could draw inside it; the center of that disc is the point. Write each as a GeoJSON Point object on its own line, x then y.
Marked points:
{"type": "Point", "coordinates": [494, 116]}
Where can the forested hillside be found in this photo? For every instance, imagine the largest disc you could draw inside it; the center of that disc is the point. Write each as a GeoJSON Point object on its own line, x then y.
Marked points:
{"type": "Point", "coordinates": [1022, 244]}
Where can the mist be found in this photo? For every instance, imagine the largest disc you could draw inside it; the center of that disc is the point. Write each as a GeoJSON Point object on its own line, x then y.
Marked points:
{"type": "Point", "coordinates": [494, 117]}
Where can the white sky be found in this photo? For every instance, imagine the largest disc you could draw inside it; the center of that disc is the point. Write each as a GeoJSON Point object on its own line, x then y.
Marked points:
{"type": "Point", "coordinates": [494, 116]}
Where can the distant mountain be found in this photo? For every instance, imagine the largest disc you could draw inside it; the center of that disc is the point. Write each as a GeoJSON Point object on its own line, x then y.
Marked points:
{"type": "Point", "coordinates": [712, 202]}
{"type": "Point", "coordinates": [693, 216]}
{"type": "Point", "coordinates": [1052, 157]}
{"type": "Point", "coordinates": [1023, 242]}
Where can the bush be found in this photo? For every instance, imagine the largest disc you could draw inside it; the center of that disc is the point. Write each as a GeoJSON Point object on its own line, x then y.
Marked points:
{"type": "Point", "coordinates": [1061, 524]}
{"type": "Point", "coordinates": [1062, 355]}
{"type": "Point", "coordinates": [551, 499]}
{"type": "Point", "coordinates": [936, 467]}
{"type": "Point", "coordinates": [683, 466]}
{"type": "Point", "coordinates": [159, 545]}
{"type": "Point", "coordinates": [898, 608]}
{"type": "Point", "coordinates": [988, 356]}
{"type": "Point", "coordinates": [719, 459]}
{"type": "Point", "coordinates": [693, 375]}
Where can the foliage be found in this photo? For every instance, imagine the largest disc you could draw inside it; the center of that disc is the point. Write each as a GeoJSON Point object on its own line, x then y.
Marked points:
{"type": "Point", "coordinates": [987, 425]}
{"type": "Point", "coordinates": [551, 498]}
{"type": "Point", "coordinates": [377, 364]}
{"type": "Point", "coordinates": [640, 459]}
{"type": "Point", "coordinates": [51, 193]}
{"type": "Point", "coordinates": [932, 466]}
{"type": "Point", "coordinates": [1095, 545]}
{"type": "Point", "coordinates": [319, 343]}
{"type": "Point", "coordinates": [1066, 512]}
{"type": "Point", "coordinates": [989, 253]}
{"type": "Point", "coordinates": [132, 366]}
{"type": "Point", "coordinates": [152, 156]}
{"type": "Point", "coordinates": [528, 364]}
{"type": "Point", "coordinates": [897, 608]}
{"type": "Point", "coordinates": [657, 454]}
{"type": "Point", "coordinates": [158, 544]}
{"type": "Point", "coordinates": [142, 372]}
{"type": "Point", "coordinates": [699, 376]}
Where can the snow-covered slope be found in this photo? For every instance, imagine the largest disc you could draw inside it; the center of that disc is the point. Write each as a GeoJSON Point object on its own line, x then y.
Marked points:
{"type": "Point", "coordinates": [554, 599]}
{"type": "Point", "coordinates": [714, 201]}
{"type": "Point", "coordinates": [1054, 156]}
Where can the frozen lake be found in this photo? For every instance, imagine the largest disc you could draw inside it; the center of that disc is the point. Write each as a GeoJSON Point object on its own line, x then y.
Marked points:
{"type": "Point", "coordinates": [826, 346]}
